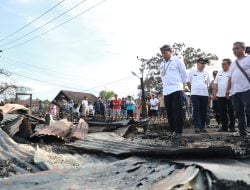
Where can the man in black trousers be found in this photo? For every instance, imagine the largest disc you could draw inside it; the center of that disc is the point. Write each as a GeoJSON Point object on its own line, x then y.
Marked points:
{"type": "Point", "coordinates": [225, 104]}
{"type": "Point", "coordinates": [198, 82]}
{"type": "Point", "coordinates": [239, 87]}
{"type": "Point", "coordinates": [248, 115]}
{"type": "Point", "coordinates": [173, 74]}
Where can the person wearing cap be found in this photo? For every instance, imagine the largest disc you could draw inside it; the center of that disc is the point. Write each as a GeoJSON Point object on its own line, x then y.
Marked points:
{"type": "Point", "coordinates": [198, 83]}
{"type": "Point", "coordinates": [173, 74]}
{"type": "Point", "coordinates": [239, 86]}
{"type": "Point", "coordinates": [224, 104]}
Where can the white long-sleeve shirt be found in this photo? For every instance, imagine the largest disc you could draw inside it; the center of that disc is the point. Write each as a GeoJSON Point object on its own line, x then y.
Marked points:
{"type": "Point", "coordinates": [173, 73]}
{"type": "Point", "coordinates": [239, 82]}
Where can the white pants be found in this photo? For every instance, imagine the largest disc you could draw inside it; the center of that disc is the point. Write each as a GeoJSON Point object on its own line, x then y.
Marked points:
{"type": "Point", "coordinates": [116, 113]}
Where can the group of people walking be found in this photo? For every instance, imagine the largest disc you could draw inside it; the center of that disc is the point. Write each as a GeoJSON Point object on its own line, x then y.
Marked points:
{"type": "Point", "coordinates": [231, 90]}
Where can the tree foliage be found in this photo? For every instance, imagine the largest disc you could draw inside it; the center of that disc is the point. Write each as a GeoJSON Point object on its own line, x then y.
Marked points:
{"type": "Point", "coordinates": [150, 67]}
{"type": "Point", "coordinates": [107, 94]}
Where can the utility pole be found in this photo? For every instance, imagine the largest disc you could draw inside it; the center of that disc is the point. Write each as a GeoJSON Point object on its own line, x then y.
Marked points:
{"type": "Point", "coordinates": [143, 96]}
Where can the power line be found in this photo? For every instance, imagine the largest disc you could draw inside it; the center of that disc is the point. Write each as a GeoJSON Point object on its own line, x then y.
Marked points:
{"type": "Point", "coordinates": [60, 79]}
{"type": "Point", "coordinates": [71, 76]}
{"type": "Point", "coordinates": [113, 82]}
{"type": "Point", "coordinates": [64, 86]}
{"type": "Point", "coordinates": [38, 80]}
{"type": "Point", "coordinates": [26, 25]}
{"type": "Point", "coordinates": [60, 15]}
{"type": "Point", "coordinates": [81, 13]}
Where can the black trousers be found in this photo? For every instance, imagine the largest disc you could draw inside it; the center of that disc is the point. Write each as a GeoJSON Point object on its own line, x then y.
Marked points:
{"type": "Point", "coordinates": [199, 111]}
{"type": "Point", "coordinates": [216, 111]}
{"type": "Point", "coordinates": [248, 119]}
{"type": "Point", "coordinates": [241, 103]}
{"type": "Point", "coordinates": [130, 114]}
{"type": "Point", "coordinates": [226, 113]}
{"type": "Point", "coordinates": [174, 106]}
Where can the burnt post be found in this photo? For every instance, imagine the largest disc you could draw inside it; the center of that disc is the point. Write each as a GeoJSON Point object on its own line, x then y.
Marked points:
{"type": "Point", "coordinates": [143, 96]}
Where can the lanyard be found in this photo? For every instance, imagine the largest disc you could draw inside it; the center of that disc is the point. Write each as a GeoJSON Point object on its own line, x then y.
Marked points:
{"type": "Point", "coordinates": [166, 69]}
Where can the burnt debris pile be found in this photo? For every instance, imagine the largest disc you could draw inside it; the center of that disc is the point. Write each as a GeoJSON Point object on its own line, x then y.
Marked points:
{"type": "Point", "coordinates": [99, 154]}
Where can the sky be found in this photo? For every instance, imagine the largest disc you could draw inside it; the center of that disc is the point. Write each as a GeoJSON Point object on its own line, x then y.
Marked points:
{"type": "Point", "coordinates": [98, 50]}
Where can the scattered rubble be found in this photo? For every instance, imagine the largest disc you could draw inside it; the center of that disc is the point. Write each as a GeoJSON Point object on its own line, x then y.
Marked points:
{"type": "Point", "coordinates": [116, 155]}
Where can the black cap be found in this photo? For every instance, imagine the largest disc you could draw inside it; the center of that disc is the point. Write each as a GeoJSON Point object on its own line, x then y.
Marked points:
{"type": "Point", "coordinates": [166, 48]}
{"type": "Point", "coordinates": [202, 61]}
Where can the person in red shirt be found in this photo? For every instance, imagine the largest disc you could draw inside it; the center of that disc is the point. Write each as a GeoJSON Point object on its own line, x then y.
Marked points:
{"type": "Point", "coordinates": [116, 108]}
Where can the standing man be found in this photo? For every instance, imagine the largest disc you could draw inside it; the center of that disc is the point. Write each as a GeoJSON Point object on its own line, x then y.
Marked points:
{"type": "Point", "coordinates": [198, 83]}
{"type": "Point", "coordinates": [85, 107]}
{"type": "Point", "coordinates": [173, 74]}
{"type": "Point", "coordinates": [123, 108]}
{"type": "Point", "coordinates": [130, 106]}
{"type": "Point", "coordinates": [239, 83]}
{"type": "Point", "coordinates": [154, 104]}
{"type": "Point", "coordinates": [162, 111]}
{"type": "Point", "coordinates": [248, 115]}
{"type": "Point", "coordinates": [215, 105]}
{"type": "Point", "coordinates": [224, 103]}
{"type": "Point", "coordinates": [116, 108]}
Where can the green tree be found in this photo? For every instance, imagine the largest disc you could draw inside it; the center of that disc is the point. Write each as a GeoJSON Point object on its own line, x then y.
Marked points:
{"type": "Point", "coordinates": [107, 94]}
{"type": "Point", "coordinates": [150, 67]}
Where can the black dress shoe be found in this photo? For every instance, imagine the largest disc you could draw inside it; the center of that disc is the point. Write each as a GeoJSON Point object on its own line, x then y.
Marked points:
{"type": "Point", "coordinates": [204, 131]}
{"type": "Point", "coordinates": [197, 131]}
{"type": "Point", "coordinates": [222, 130]}
{"type": "Point", "coordinates": [232, 130]}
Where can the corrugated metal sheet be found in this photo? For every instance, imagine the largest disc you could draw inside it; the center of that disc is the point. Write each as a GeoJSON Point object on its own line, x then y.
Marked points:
{"type": "Point", "coordinates": [60, 129]}
{"type": "Point", "coordinates": [122, 147]}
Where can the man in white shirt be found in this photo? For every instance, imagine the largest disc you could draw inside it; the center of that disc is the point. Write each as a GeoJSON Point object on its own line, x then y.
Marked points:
{"type": "Point", "coordinates": [225, 104]}
{"type": "Point", "coordinates": [248, 115]}
{"type": "Point", "coordinates": [154, 104]}
{"type": "Point", "coordinates": [239, 83]}
{"type": "Point", "coordinates": [173, 74]}
{"type": "Point", "coordinates": [198, 83]}
{"type": "Point", "coordinates": [85, 107]}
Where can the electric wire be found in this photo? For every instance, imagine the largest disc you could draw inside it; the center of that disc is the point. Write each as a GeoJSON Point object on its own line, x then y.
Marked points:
{"type": "Point", "coordinates": [57, 26]}
{"type": "Point", "coordinates": [45, 24]}
{"type": "Point", "coordinates": [37, 18]}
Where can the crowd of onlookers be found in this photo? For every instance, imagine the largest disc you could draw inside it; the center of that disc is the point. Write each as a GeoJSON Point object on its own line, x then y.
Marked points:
{"type": "Point", "coordinates": [114, 108]}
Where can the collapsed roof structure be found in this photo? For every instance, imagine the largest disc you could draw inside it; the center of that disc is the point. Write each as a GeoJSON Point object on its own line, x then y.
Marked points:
{"type": "Point", "coordinates": [120, 157]}
{"type": "Point", "coordinates": [75, 96]}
